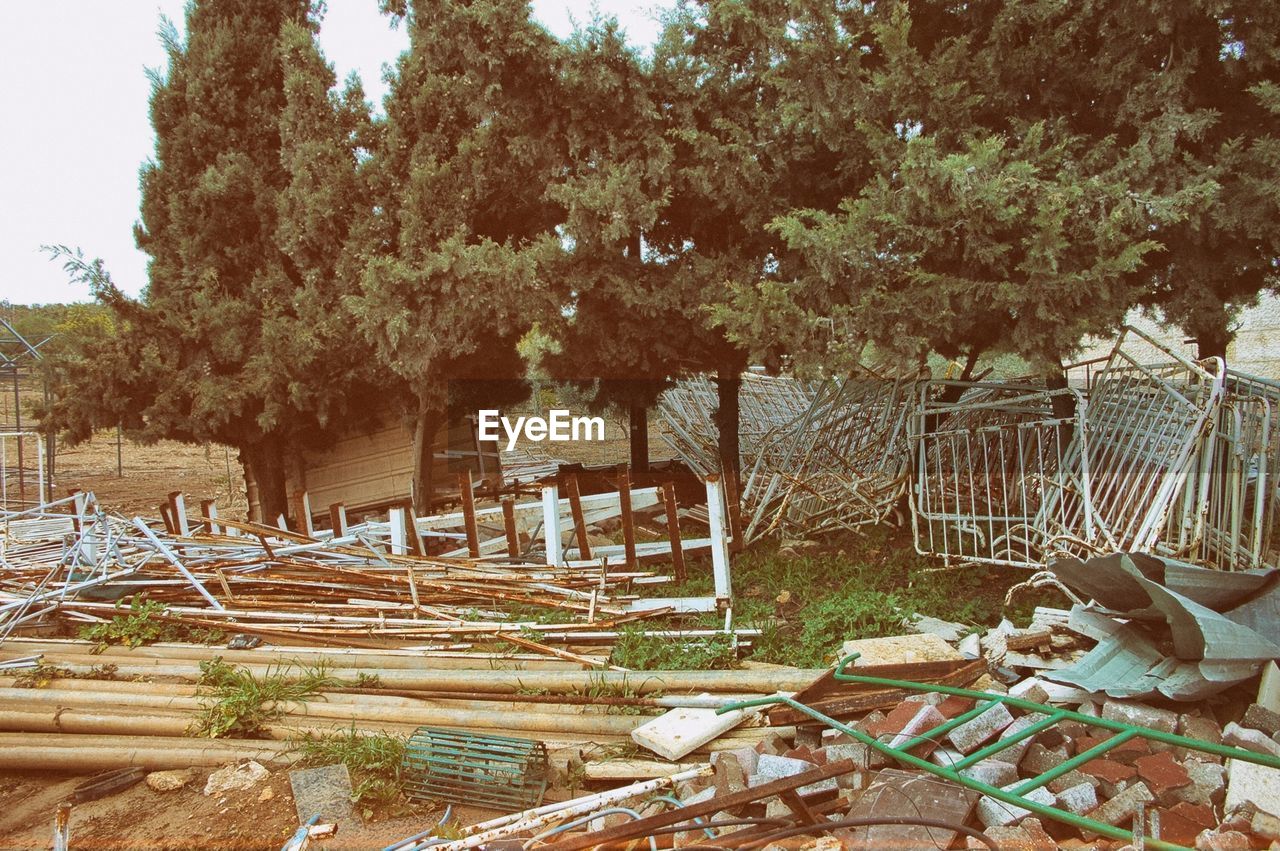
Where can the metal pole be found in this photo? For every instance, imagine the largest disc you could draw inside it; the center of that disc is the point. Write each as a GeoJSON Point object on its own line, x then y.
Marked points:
{"type": "Point", "coordinates": [17, 419]}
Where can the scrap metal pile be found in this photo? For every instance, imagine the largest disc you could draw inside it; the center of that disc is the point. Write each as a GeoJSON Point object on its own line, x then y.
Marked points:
{"type": "Point", "coordinates": [1148, 452]}
{"type": "Point", "coordinates": [70, 564]}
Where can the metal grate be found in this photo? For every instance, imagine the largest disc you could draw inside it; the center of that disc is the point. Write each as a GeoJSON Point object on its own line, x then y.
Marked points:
{"type": "Point", "coordinates": [476, 770]}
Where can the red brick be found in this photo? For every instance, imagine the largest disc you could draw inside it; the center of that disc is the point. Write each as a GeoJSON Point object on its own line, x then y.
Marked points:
{"type": "Point", "coordinates": [1125, 752]}
{"type": "Point", "coordinates": [953, 705]}
{"type": "Point", "coordinates": [1161, 772]}
{"type": "Point", "coordinates": [1182, 823]}
{"type": "Point", "coordinates": [1108, 770]}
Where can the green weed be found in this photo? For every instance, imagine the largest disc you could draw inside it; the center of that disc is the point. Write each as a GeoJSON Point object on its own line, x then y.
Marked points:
{"type": "Point", "coordinates": [145, 624]}
{"type": "Point", "coordinates": [639, 652]}
{"type": "Point", "coordinates": [374, 760]}
{"type": "Point", "coordinates": [240, 704]}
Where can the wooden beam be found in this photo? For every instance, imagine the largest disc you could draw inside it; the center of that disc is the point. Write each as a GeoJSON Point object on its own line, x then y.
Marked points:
{"type": "Point", "coordinates": [469, 514]}
{"type": "Point", "coordinates": [209, 509]}
{"type": "Point", "coordinates": [579, 522]}
{"type": "Point", "coordinates": [673, 530]}
{"type": "Point", "coordinates": [178, 505]}
{"type": "Point", "coordinates": [509, 524]}
{"type": "Point", "coordinates": [338, 519]}
{"type": "Point", "coordinates": [628, 519]}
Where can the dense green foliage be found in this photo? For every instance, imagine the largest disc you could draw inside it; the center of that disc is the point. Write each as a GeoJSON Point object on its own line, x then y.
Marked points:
{"type": "Point", "coordinates": [792, 183]}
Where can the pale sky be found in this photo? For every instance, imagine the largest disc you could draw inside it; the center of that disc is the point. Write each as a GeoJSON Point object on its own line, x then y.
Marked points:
{"type": "Point", "coordinates": [76, 128]}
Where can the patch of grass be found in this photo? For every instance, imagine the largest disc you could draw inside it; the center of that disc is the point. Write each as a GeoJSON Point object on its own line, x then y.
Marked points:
{"type": "Point", "coordinates": [639, 652]}
{"type": "Point", "coordinates": [599, 687]}
{"type": "Point", "coordinates": [367, 680]}
{"type": "Point", "coordinates": [807, 599]}
{"type": "Point", "coordinates": [240, 704]}
{"type": "Point", "coordinates": [145, 624]}
{"type": "Point", "coordinates": [44, 674]}
{"type": "Point", "coordinates": [374, 760]}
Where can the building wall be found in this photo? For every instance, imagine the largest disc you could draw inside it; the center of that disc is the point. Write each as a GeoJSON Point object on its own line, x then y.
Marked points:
{"type": "Point", "coordinates": [1255, 349]}
{"type": "Point", "coordinates": [375, 469]}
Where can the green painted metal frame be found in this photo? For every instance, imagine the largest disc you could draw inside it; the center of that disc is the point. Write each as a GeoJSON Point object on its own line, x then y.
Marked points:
{"type": "Point", "coordinates": [1014, 797]}
{"type": "Point", "coordinates": [474, 769]}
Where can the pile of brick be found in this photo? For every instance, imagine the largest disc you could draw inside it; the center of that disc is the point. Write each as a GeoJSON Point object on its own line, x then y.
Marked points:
{"type": "Point", "coordinates": [1181, 795]}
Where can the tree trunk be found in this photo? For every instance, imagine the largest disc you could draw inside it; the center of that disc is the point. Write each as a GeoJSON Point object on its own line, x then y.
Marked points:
{"type": "Point", "coordinates": [639, 434]}
{"type": "Point", "coordinates": [1064, 405]}
{"type": "Point", "coordinates": [727, 386]}
{"type": "Point", "coordinates": [265, 459]}
{"type": "Point", "coordinates": [1213, 342]}
{"type": "Point", "coordinates": [425, 426]}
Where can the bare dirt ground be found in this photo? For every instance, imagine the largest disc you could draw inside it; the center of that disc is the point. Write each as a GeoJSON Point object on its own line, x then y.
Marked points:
{"type": "Point", "coordinates": [150, 473]}
{"type": "Point", "coordinates": [140, 819]}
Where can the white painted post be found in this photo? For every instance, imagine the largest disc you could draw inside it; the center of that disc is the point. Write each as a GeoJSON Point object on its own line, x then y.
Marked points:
{"type": "Point", "coordinates": [209, 508]}
{"type": "Point", "coordinates": [307, 526]}
{"type": "Point", "coordinates": [399, 538]}
{"type": "Point", "coordinates": [551, 523]}
{"type": "Point", "coordinates": [719, 541]}
{"type": "Point", "coordinates": [46, 494]}
{"type": "Point", "coordinates": [180, 514]}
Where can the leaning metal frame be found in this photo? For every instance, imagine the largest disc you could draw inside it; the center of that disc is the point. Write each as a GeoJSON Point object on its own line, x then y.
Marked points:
{"type": "Point", "coordinates": [1146, 424]}
{"type": "Point", "coordinates": [1242, 506]}
{"type": "Point", "coordinates": [989, 480]}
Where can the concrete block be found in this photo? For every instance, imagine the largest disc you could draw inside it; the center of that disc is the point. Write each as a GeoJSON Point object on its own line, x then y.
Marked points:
{"type": "Point", "coordinates": [1208, 783]}
{"type": "Point", "coordinates": [730, 776]}
{"type": "Point", "coordinates": [1223, 840]}
{"type": "Point", "coordinates": [680, 731]}
{"type": "Point", "coordinates": [1013, 753]}
{"type": "Point", "coordinates": [993, 772]}
{"type": "Point", "coordinates": [1130, 712]}
{"type": "Point", "coordinates": [864, 757]}
{"type": "Point", "coordinates": [1071, 778]}
{"type": "Point", "coordinates": [1257, 784]}
{"type": "Point", "coordinates": [771, 768]}
{"type": "Point", "coordinates": [993, 812]}
{"type": "Point", "coordinates": [1079, 799]}
{"type": "Point", "coordinates": [970, 735]}
{"type": "Point", "coordinates": [1204, 729]}
{"type": "Point", "coordinates": [1121, 808]}
{"type": "Point", "coordinates": [1249, 739]}
{"type": "Point", "coordinates": [746, 758]}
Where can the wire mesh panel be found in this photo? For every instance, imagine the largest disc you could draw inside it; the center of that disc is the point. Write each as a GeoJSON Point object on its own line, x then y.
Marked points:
{"type": "Point", "coordinates": [842, 464]}
{"type": "Point", "coordinates": [1146, 423]}
{"type": "Point", "coordinates": [1243, 501]}
{"type": "Point", "coordinates": [476, 770]}
{"type": "Point", "coordinates": [815, 455]}
{"type": "Point", "coordinates": [989, 482]}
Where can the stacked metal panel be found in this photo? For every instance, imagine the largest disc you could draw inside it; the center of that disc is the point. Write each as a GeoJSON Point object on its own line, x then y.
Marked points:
{"type": "Point", "coordinates": [989, 481]}
{"type": "Point", "coordinates": [1154, 453]}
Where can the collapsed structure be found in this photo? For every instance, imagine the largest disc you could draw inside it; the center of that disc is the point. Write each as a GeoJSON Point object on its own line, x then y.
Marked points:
{"type": "Point", "coordinates": [1151, 452]}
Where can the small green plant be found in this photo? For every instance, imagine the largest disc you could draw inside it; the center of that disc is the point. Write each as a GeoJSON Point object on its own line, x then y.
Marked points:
{"type": "Point", "coordinates": [240, 704]}
{"type": "Point", "coordinates": [367, 680]}
{"type": "Point", "coordinates": [145, 624]}
{"type": "Point", "coordinates": [374, 760]}
{"type": "Point", "coordinates": [639, 652]}
{"type": "Point", "coordinates": [599, 687]}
